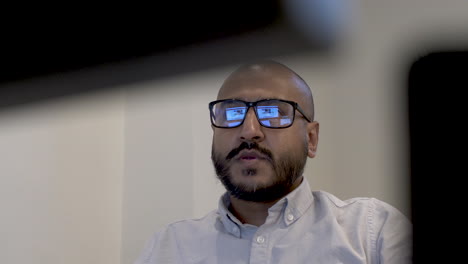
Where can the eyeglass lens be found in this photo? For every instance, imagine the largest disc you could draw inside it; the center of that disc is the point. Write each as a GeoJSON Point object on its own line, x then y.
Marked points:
{"type": "Point", "coordinates": [270, 113]}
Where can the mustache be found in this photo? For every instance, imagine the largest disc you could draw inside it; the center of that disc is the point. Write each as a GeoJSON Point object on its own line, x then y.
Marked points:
{"type": "Point", "coordinates": [249, 146]}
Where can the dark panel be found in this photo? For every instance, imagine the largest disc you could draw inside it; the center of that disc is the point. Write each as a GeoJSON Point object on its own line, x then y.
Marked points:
{"type": "Point", "coordinates": [437, 117]}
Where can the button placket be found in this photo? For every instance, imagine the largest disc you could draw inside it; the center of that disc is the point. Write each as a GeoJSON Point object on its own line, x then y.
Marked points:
{"type": "Point", "coordinates": [260, 239]}
{"type": "Point", "coordinates": [235, 230]}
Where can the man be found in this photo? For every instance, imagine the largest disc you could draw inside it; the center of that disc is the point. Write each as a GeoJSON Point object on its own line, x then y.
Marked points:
{"type": "Point", "coordinates": [263, 131]}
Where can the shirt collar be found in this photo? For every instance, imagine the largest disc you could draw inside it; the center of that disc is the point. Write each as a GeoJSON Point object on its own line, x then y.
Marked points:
{"type": "Point", "coordinates": [230, 222]}
{"type": "Point", "coordinates": [295, 204]}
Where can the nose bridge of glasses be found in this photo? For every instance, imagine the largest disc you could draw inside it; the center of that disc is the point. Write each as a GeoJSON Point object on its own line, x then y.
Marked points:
{"type": "Point", "coordinates": [250, 117]}
{"type": "Point", "coordinates": [250, 112]}
{"type": "Point", "coordinates": [251, 128]}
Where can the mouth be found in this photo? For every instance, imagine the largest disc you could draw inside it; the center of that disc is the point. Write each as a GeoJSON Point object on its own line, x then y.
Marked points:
{"type": "Point", "coordinates": [250, 156]}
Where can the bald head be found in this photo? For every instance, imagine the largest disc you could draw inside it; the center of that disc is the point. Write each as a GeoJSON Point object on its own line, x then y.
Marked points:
{"type": "Point", "coordinates": [265, 80]}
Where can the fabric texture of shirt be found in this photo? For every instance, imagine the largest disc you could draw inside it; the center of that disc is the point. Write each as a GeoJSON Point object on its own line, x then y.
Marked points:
{"type": "Point", "coordinates": [302, 227]}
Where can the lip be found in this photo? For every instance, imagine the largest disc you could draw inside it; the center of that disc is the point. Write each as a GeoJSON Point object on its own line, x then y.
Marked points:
{"type": "Point", "coordinates": [250, 155]}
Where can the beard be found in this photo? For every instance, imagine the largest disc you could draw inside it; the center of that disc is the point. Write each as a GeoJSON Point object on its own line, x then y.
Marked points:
{"type": "Point", "coordinates": [287, 168]}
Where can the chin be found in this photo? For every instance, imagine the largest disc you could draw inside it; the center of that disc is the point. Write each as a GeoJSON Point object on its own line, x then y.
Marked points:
{"type": "Point", "coordinates": [252, 182]}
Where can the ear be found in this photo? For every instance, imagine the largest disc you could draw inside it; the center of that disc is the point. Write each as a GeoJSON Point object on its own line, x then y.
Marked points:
{"type": "Point", "coordinates": [312, 136]}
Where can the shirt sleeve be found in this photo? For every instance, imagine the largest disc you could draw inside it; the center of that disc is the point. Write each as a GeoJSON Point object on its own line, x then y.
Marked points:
{"type": "Point", "coordinates": [145, 255]}
{"type": "Point", "coordinates": [391, 234]}
{"type": "Point", "coordinates": [162, 248]}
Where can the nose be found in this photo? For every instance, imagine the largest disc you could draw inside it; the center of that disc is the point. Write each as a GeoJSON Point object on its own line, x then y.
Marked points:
{"type": "Point", "coordinates": [251, 130]}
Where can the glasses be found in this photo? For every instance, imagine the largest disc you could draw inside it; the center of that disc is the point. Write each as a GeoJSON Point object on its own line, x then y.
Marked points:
{"type": "Point", "coordinates": [271, 113]}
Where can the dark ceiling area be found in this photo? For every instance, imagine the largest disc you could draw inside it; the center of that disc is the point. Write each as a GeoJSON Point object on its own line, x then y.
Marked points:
{"type": "Point", "coordinates": [66, 39]}
{"type": "Point", "coordinates": [106, 47]}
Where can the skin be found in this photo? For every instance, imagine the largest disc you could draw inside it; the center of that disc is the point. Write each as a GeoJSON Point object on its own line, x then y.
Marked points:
{"type": "Point", "coordinates": [265, 80]}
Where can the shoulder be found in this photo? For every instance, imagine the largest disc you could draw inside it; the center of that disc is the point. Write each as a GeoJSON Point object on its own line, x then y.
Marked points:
{"type": "Point", "coordinates": [388, 231]}
{"type": "Point", "coordinates": [165, 246]}
{"type": "Point", "coordinates": [368, 205]}
{"type": "Point", "coordinates": [191, 226]}
{"type": "Point", "coordinates": [378, 217]}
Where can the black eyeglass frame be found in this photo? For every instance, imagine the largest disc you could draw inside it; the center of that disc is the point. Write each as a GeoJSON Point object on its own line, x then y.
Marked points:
{"type": "Point", "coordinates": [254, 105]}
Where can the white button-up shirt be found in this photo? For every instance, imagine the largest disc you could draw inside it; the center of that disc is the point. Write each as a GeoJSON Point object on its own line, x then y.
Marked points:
{"type": "Point", "coordinates": [302, 227]}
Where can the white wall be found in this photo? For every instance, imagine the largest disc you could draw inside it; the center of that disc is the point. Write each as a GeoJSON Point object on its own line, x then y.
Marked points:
{"type": "Point", "coordinates": [61, 176]}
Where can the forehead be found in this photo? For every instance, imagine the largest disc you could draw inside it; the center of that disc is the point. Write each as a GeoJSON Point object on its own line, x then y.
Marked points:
{"type": "Point", "coordinates": [255, 85]}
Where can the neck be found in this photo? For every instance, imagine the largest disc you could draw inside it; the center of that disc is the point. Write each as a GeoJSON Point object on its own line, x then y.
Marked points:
{"type": "Point", "coordinates": [254, 213]}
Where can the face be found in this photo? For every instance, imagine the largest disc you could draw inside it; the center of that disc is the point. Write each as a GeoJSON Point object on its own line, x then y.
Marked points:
{"type": "Point", "coordinates": [256, 163]}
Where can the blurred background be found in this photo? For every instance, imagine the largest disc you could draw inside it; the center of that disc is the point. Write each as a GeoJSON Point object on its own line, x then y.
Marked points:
{"type": "Point", "coordinates": [104, 129]}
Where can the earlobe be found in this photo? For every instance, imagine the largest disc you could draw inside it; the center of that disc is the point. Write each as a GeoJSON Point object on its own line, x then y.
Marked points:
{"type": "Point", "coordinates": [312, 134]}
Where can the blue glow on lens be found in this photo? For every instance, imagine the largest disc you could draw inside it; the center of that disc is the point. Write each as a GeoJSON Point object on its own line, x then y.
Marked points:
{"type": "Point", "coordinates": [266, 122]}
{"type": "Point", "coordinates": [233, 124]}
{"type": "Point", "coordinates": [267, 112]}
{"type": "Point", "coordinates": [235, 113]}
{"type": "Point", "coordinates": [285, 121]}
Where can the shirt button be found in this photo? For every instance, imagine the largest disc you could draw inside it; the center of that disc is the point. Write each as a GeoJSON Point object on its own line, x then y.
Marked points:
{"type": "Point", "coordinates": [260, 239]}
{"type": "Point", "coordinates": [290, 217]}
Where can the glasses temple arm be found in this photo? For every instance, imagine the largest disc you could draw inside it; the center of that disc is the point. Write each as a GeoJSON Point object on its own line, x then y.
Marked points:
{"type": "Point", "coordinates": [302, 113]}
